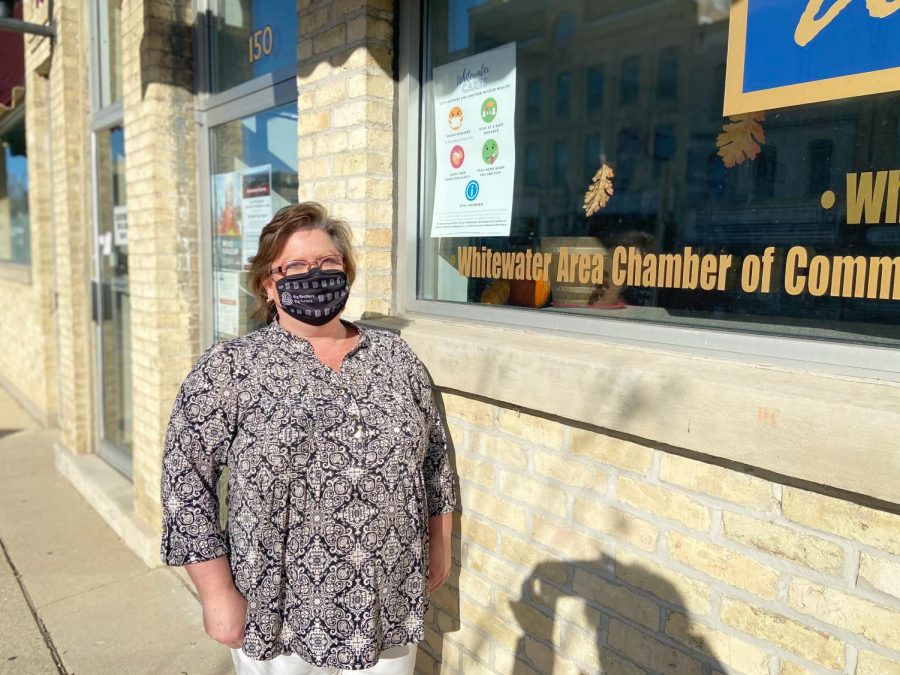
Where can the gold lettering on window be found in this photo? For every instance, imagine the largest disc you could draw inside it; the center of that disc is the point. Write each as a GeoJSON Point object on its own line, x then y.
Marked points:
{"type": "Point", "coordinates": [809, 26]}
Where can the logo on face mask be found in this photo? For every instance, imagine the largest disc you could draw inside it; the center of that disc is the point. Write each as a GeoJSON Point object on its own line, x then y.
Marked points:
{"type": "Point", "coordinates": [314, 297]}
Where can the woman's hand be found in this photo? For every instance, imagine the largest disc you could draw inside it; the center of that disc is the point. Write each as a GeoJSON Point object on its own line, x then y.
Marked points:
{"type": "Point", "coordinates": [224, 608]}
{"type": "Point", "coordinates": [439, 560]}
{"type": "Point", "coordinates": [224, 615]}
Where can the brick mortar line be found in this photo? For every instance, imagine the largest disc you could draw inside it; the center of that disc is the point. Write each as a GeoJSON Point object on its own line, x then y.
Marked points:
{"type": "Point", "coordinates": [777, 606]}
{"type": "Point", "coordinates": [45, 634]}
{"type": "Point", "coordinates": [848, 546]}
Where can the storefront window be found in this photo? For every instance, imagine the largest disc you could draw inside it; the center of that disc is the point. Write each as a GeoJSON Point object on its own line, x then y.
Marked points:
{"type": "Point", "coordinates": [252, 38]}
{"type": "Point", "coordinates": [114, 306]}
{"type": "Point", "coordinates": [254, 173]}
{"type": "Point", "coordinates": [657, 208]}
{"type": "Point", "coordinates": [15, 238]}
{"type": "Point", "coordinates": [110, 51]}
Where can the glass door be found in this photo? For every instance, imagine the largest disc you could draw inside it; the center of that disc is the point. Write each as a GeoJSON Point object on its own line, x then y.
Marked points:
{"type": "Point", "coordinates": [253, 174]}
{"type": "Point", "coordinates": [112, 301]}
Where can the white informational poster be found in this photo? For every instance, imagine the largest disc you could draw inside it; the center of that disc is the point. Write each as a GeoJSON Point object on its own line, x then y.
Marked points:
{"type": "Point", "coordinates": [242, 207]}
{"type": "Point", "coordinates": [227, 303]}
{"type": "Point", "coordinates": [256, 193]}
{"type": "Point", "coordinates": [475, 144]}
{"type": "Point", "coordinates": [120, 225]}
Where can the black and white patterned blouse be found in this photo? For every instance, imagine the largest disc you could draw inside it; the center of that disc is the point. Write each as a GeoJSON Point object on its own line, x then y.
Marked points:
{"type": "Point", "coordinates": [332, 479]}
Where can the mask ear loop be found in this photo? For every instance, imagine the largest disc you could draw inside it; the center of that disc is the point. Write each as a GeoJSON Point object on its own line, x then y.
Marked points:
{"type": "Point", "coordinates": [273, 312]}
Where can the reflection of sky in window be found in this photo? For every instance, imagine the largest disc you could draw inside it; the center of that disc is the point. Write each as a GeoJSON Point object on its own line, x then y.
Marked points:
{"type": "Point", "coordinates": [270, 137]}
{"type": "Point", "coordinates": [458, 22]}
{"type": "Point", "coordinates": [117, 143]}
{"type": "Point", "coordinates": [16, 168]}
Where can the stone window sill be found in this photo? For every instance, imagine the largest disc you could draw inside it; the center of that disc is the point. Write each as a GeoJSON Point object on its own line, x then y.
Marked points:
{"type": "Point", "coordinates": [18, 273]}
{"type": "Point", "coordinates": [835, 431]}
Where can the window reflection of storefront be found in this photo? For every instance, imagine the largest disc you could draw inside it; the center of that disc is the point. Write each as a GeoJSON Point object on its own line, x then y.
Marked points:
{"type": "Point", "coordinates": [114, 306]}
{"type": "Point", "coordinates": [645, 83]}
{"type": "Point", "coordinates": [252, 145]}
{"type": "Point", "coordinates": [111, 291]}
{"type": "Point", "coordinates": [15, 231]}
{"type": "Point", "coordinates": [15, 239]}
{"type": "Point", "coordinates": [254, 164]}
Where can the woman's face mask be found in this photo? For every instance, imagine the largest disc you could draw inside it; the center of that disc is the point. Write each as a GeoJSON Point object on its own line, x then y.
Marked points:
{"type": "Point", "coordinates": [314, 297]}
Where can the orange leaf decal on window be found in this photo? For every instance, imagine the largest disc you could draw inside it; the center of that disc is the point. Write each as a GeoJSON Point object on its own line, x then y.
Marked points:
{"type": "Point", "coordinates": [600, 191]}
{"type": "Point", "coordinates": [741, 138]}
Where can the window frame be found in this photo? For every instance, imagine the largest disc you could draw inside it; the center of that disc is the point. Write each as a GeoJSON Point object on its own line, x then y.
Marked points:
{"type": "Point", "coordinates": [807, 354]}
{"type": "Point", "coordinates": [101, 120]}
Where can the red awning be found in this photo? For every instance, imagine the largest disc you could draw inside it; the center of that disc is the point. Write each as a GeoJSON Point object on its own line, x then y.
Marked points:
{"type": "Point", "coordinates": [12, 65]}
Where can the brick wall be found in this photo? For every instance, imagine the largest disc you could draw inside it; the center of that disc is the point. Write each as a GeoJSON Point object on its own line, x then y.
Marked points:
{"type": "Point", "coordinates": [578, 552]}
{"type": "Point", "coordinates": [164, 255]}
{"type": "Point", "coordinates": [69, 105]}
{"type": "Point", "coordinates": [346, 131]}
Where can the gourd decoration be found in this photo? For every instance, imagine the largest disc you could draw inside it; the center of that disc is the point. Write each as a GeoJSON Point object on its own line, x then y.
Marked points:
{"type": "Point", "coordinates": [497, 293]}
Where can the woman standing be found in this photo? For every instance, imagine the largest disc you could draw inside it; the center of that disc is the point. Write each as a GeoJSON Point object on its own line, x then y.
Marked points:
{"type": "Point", "coordinates": [340, 489]}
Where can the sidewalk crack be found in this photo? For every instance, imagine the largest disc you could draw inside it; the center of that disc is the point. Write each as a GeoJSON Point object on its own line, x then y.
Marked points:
{"type": "Point", "coordinates": [48, 641]}
{"type": "Point", "coordinates": [93, 588]}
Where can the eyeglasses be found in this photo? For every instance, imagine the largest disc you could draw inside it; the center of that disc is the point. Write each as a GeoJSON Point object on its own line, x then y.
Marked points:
{"type": "Point", "coordinates": [328, 263]}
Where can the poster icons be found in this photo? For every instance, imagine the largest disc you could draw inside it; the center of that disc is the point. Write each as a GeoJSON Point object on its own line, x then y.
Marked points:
{"type": "Point", "coordinates": [472, 190]}
{"type": "Point", "coordinates": [457, 156]}
{"type": "Point", "coordinates": [489, 151]}
{"type": "Point", "coordinates": [455, 118]}
{"type": "Point", "coordinates": [489, 110]}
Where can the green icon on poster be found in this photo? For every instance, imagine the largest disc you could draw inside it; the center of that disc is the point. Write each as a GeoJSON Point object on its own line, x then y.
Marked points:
{"type": "Point", "coordinates": [489, 110]}
{"type": "Point", "coordinates": [489, 151]}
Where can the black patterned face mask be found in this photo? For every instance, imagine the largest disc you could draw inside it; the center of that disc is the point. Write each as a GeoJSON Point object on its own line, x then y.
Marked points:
{"type": "Point", "coordinates": [314, 297]}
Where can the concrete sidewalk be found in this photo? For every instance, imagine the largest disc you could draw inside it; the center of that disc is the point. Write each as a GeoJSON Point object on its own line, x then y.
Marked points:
{"type": "Point", "coordinates": [74, 598]}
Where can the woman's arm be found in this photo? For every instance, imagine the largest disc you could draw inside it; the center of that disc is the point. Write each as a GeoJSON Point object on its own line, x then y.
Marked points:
{"type": "Point", "coordinates": [224, 608]}
{"type": "Point", "coordinates": [439, 561]}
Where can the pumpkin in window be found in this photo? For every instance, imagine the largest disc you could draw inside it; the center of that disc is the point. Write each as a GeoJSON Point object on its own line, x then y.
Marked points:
{"type": "Point", "coordinates": [529, 293]}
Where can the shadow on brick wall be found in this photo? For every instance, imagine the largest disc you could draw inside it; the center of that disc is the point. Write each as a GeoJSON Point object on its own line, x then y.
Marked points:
{"type": "Point", "coordinates": [631, 629]}
{"type": "Point", "coordinates": [167, 45]}
{"type": "Point", "coordinates": [611, 627]}
{"type": "Point", "coordinates": [610, 616]}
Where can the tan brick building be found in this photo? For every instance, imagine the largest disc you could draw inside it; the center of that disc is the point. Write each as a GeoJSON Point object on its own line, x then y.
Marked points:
{"type": "Point", "coordinates": [670, 479]}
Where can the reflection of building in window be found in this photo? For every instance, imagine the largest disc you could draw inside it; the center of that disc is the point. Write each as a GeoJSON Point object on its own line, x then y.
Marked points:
{"type": "Point", "coordinates": [592, 157]}
{"type": "Point", "coordinates": [563, 94]}
{"type": "Point", "coordinates": [533, 101]}
{"type": "Point", "coordinates": [628, 149]}
{"type": "Point", "coordinates": [667, 74]}
{"type": "Point", "coordinates": [664, 146]}
{"type": "Point", "coordinates": [532, 164]}
{"type": "Point", "coordinates": [594, 86]}
{"type": "Point", "coordinates": [566, 24]}
{"type": "Point", "coordinates": [720, 182]}
{"type": "Point", "coordinates": [820, 151]}
{"type": "Point", "coordinates": [458, 22]}
{"type": "Point", "coordinates": [717, 99]}
{"type": "Point", "coordinates": [15, 233]}
{"type": "Point", "coordinates": [629, 80]}
{"type": "Point", "coordinates": [665, 61]}
{"type": "Point", "coordinates": [765, 169]}
{"type": "Point", "coordinates": [560, 162]}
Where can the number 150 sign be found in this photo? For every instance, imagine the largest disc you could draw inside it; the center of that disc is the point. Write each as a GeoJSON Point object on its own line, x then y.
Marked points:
{"type": "Point", "coordinates": [260, 44]}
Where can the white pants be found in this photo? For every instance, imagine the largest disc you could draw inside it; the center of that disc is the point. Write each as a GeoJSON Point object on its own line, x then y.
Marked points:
{"type": "Point", "coordinates": [394, 661]}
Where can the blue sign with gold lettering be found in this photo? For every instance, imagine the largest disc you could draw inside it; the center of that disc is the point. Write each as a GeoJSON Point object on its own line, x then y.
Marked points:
{"type": "Point", "coordinates": [790, 52]}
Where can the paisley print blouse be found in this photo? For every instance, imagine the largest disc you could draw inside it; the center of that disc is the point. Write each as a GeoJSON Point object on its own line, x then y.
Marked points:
{"type": "Point", "coordinates": [332, 478]}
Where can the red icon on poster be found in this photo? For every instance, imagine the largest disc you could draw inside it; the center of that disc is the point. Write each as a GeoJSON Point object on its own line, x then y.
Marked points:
{"type": "Point", "coordinates": [457, 156]}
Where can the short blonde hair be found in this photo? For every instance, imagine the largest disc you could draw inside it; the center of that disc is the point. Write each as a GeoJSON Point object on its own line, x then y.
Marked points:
{"type": "Point", "coordinates": [274, 236]}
